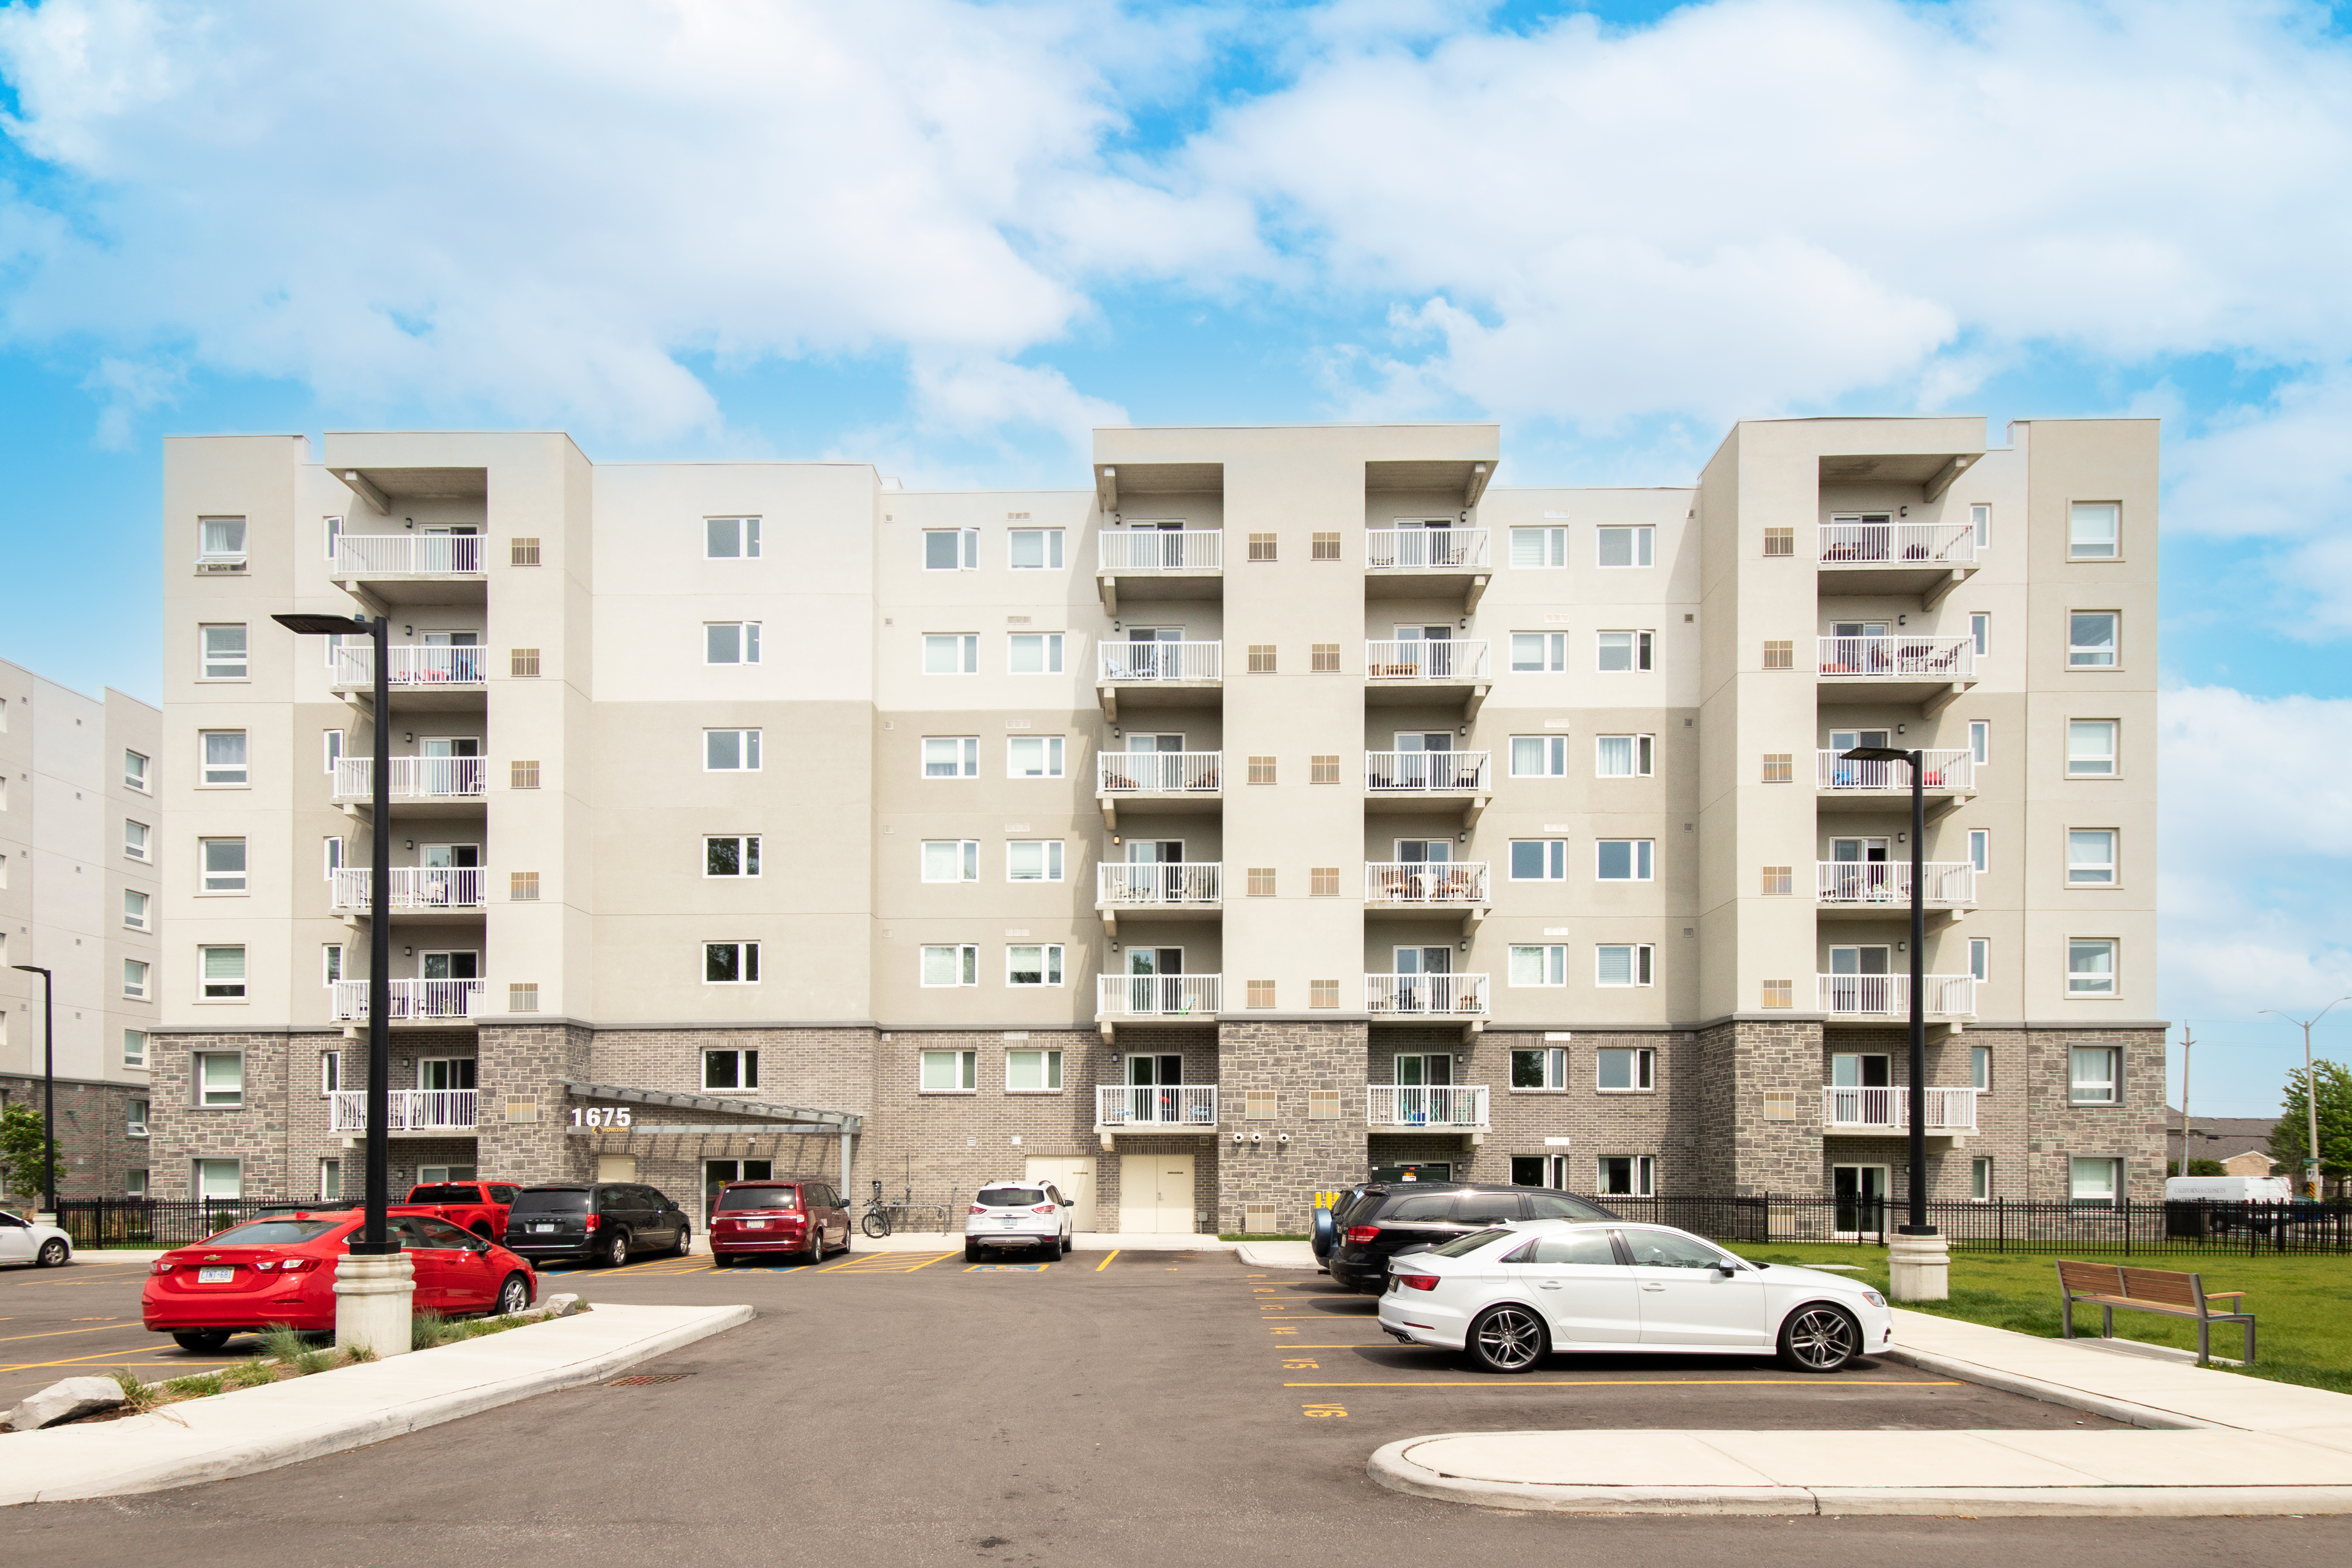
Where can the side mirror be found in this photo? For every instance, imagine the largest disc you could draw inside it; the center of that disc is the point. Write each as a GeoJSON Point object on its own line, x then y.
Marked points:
{"type": "Point", "coordinates": [1726, 1269]}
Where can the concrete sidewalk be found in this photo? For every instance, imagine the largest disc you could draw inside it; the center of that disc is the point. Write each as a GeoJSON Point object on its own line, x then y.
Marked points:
{"type": "Point", "coordinates": [2218, 1442]}
{"type": "Point", "coordinates": [262, 1428]}
{"type": "Point", "coordinates": [1084, 1241]}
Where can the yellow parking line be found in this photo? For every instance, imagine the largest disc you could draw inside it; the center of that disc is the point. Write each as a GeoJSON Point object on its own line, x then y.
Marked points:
{"type": "Point", "coordinates": [103, 1355]}
{"type": "Point", "coordinates": [884, 1263]}
{"type": "Point", "coordinates": [1648, 1383]}
{"type": "Point", "coordinates": [53, 1333]}
{"type": "Point", "coordinates": [1106, 1262]}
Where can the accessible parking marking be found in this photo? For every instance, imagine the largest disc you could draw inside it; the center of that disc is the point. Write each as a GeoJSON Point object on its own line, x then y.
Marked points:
{"type": "Point", "coordinates": [886, 1263]}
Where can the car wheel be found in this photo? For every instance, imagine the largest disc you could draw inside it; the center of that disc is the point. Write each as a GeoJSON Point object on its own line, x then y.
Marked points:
{"type": "Point", "coordinates": [972, 1252]}
{"type": "Point", "coordinates": [514, 1296]}
{"type": "Point", "coordinates": [815, 1247]}
{"type": "Point", "coordinates": [617, 1250]}
{"type": "Point", "coordinates": [1819, 1338]}
{"type": "Point", "coordinates": [1506, 1338]}
{"type": "Point", "coordinates": [202, 1340]}
{"type": "Point", "coordinates": [53, 1252]}
{"type": "Point", "coordinates": [1068, 1244]}
{"type": "Point", "coordinates": [685, 1243]}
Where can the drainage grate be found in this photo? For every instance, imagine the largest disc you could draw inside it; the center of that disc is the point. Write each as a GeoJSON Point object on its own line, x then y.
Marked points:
{"type": "Point", "coordinates": [643, 1378]}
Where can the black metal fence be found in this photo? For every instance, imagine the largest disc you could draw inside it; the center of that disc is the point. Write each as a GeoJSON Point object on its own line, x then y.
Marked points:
{"type": "Point", "coordinates": [153, 1223]}
{"type": "Point", "coordinates": [2010, 1226]}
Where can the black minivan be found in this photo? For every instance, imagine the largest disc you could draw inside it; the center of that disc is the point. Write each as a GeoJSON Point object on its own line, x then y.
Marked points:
{"type": "Point", "coordinates": [1392, 1217]}
{"type": "Point", "coordinates": [601, 1222]}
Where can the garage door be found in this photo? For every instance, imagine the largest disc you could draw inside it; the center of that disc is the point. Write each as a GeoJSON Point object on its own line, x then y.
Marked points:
{"type": "Point", "coordinates": [1155, 1194]}
{"type": "Point", "coordinates": [1076, 1178]}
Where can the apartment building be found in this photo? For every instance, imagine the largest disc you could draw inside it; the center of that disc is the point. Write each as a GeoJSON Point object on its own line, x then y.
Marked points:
{"type": "Point", "coordinates": [1284, 804]}
{"type": "Point", "coordinates": [78, 851]}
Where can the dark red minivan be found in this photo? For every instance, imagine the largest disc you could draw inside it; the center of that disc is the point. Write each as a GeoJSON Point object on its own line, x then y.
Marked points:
{"type": "Point", "coordinates": [753, 1219]}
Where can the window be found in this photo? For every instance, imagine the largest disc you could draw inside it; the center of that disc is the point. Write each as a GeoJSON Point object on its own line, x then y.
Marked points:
{"type": "Point", "coordinates": [134, 772]}
{"type": "Point", "coordinates": [1538, 756]}
{"type": "Point", "coordinates": [731, 750]}
{"type": "Point", "coordinates": [1623, 1071]}
{"type": "Point", "coordinates": [330, 749]}
{"type": "Point", "coordinates": [2095, 1183]}
{"type": "Point", "coordinates": [730, 642]}
{"type": "Point", "coordinates": [1033, 964]}
{"type": "Point", "coordinates": [2091, 858]}
{"type": "Point", "coordinates": [2091, 748]}
{"type": "Point", "coordinates": [949, 1072]}
{"type": "Point", "coordinates": [1778, 882]}
{"type": "Point", "coordinates": [1979, 1180]}
{"type": "Point", "coordinates": [1262, 547]}
{"type": "Point", "coordinates": [1260, 994]}
{"type": "Point", "coordinates": [1980, 741]}
{"type": "Point", "coordinates": [522, 551]}
{"type": "Point", "coordinates": [1624, 859]}
{"type": "Point", "coordinates": [2093, 637]}
{"type": "Point", "coordinates": [330, 1072]}
{"type": "Point", "coordinates": [1322, 769]}
{"type": "Point", "coordinates": [224, 652]}
{"type": "Point", "coordinates": [950, 549]}
{"type": "Point", "coordinates": [1322, 994]}
{"type": "Point", "coordinates": [955, 965]}
{"type": "Point", "coordinates": [1779, 542]}
{"type": "Point", "coordinates": [134, 840]}
{"type": "Point", "coordinates": [1262, 770]}
{"type": "Point", "coordinates": [950, 756]}
{"type": "Point", "coordinates": [1980, 849]}
{"type": "Point", "coordinates": [2090, 966]}
{"type": "Point", "coordinates": [1033, 1072]}
{"type": "Point", "coordinates": [330, 1181]}
{"type": "Point", "coordinates": [331, 855]}
{"type": "Point", "coordinates": [1980, 958]}
{"type": "Point", "coordinates": [1980, 519]}
{"type": "Point", "coordinates": [220, 539]}
{"type": "Point", "coordinates": [1980, 630]}
{"type": "Point", "coordinates": [2095, 1075]}
{"type": "Point", "coordinates": [1033, 860]}
{"type": "Point", "coordinates": [1626, 546]}
{"type": "Point", "coordinates": [134, 909]}
{"type": "Point", "coordinates": [1538, 859]}
{"type": "Point", "coordinates": [1034, 653]}
{"type": "Point", "coordinates": [1325, 547]}
{"type": "Point", "coordinates": [1323, 882]}
{"type": "Point", "coordinates": [1779, 653]}
{"type": "Point", "coordinates": [1036, 549]}
{"type": "Point", "coordinates": [1980, 1067]}
{"type": "Point", "coordinates": [223, 969]}
{"type": "Point", "coordinates": [1261, 882]}
{"type": "Point", "coordinates": [730, 1070]}
{"type": "Point", "coordinates": [217, 1179]}
{"type": "Point", "coordinates": [950, 860]}
{"type": "Point", "coordinates": [952, 653]}
{"type": "Point", "coordinates": [1622, 965]}
{"type": "Point", "coordinates": [1323, 659]}
{"type": "Point", "coordinates": [1778, 993]}
{"type": "Point", "coordinates": [730, 855]}
{"type": "Point", "coordinates": [330, 962]}
{"type": "Point", "coordinates": [1544, 547]}
{"type": "Point", "coordinates": [1262, 658]}
{"type": "Point", "coordinates": [731, 538]}
{"type": "Point", "coordinates": [522, 663]}
{"type": "Point", "coordinates": [1627, 1176]}
{"type": "Point", "coordinates": [2095, 531]}
{"type": "Point", "coordinates": [134, 979]}
{"type": "Point", "coordinates": [1034, 757]}
{"type": "Point", "coordinates": [731, 964]}
{"type": "Point", "coordinates": [135, 1047]}
{"type": "Point", "coordinates": [1621, 652]}
{"type": "Point", "coordinates": [333, 530]}
{"type": "Point", "coordinates": [522, 773]}
{"type": "Point", "coordinates": [1540, 651]}
{"type": "Point", "coordinates": [224, 756]}
{"type": "Point", "coordinates": [1625, 756]}
{"type": "Point", "coordinates": [134, 1118]}
{"type": "Point", "coordinates": [1540, 966]}
{"type": "Point", "coordinates": [224, 865]}
{"type": "Point", "coordinates": [1540, 1069]}
{"type": "Point", "coordinates": [220, 1078]}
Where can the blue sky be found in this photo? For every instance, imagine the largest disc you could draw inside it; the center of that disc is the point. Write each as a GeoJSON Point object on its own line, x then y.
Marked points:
{"type": "Point", "coordinates": [949, 236]}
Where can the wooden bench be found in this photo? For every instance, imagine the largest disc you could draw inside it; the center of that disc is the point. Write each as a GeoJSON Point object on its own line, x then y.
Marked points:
{"type": "Point", "coordinates": [2165, 1291]}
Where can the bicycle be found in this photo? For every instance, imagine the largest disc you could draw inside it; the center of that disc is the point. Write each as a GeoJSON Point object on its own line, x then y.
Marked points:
{"type": "Point", "coordinates": [877, 1221]}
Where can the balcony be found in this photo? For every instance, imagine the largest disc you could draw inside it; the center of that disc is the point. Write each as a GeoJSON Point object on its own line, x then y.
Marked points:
{"type": "Point", "coordinates": [414, 568]}
{"type": "Point", "coordinates": [1156, 1108]}
{"type": "Point", "coordinates": [1950, 772]}
{"type": "Point", "coordinates": [416, 890]}
{"type": "Point", "coordinates": [1417, 562]}
{"type": "Point", "coordinates": [1883, 887]}
{"type": "Point", "coordinates": [448, 781]}
{"type": "Point", "coordinates": [1425, 995]}
{"type": "Point", "coordinates": [1180, 889]}
{"type": "Point", "coordinates": [1879, 997]}
{"type": "Point", "coordinates": [1929, 671]}
{"type": "Point", "coordinates": [1409, 886]}
{"type": "Point", "coordinates": [411, 1111]}
{"type": "Point", "coordinates": [1460, 1107]}
{"type": "Point", "coordinates": [412, 1001]}
{"type": "Point", "coordinates": [1418, 670]}
{"type": "Point", "coordinates": [1429, 780]}
{"type": "Point", "coordinates": [1163, 781]}
{"type": "Point", "coordinates": [1930, 559]}
{"type": "Point", "coordinates": [1157, 998]}
{"type": "Point", "coordinates": [443, 676]}
{"type": "Point", "coordinates": [1157, 674]}
{"type": "Point", "coordinates": [1887, 1108]}
{"type": "Point", "coordinates": [1158, 564]}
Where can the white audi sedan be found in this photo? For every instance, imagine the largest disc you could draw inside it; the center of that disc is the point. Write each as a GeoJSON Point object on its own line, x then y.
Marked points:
{"type": "Point", "coordinates": [1512, 1294]}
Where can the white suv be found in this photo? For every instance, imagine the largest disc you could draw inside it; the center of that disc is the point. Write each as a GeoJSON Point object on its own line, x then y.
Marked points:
{"type": "Point", "coordinates": [1020, 1214]}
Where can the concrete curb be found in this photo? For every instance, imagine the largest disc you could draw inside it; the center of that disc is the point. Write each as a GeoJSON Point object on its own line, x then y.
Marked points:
{"type": "Point", "coordinates": [1293, 1255]}
{"type": "Point", "coordinates": [258, 1429]}
{"type": "Point", "coordinates": [2123, 1410]}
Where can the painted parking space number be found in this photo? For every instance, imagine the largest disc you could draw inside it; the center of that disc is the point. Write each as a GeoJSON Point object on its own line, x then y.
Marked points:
{"type": "Point", "coordinates": [1324, 1410]}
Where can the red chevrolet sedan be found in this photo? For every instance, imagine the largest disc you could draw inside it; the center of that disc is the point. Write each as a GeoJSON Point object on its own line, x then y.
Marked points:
{"type": "Point", "coordinates": [282, 1270]}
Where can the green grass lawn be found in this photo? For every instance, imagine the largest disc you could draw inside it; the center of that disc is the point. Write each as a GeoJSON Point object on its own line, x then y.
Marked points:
{"type": "Point", "coordinates": [2303, 1305]}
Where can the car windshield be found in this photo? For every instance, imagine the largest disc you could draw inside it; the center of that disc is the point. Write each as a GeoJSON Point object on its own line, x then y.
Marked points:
{"type": "Point", "coordinates": [275, 1233]}
{"type": "Point", "coordinates": [446, 1193]}
{"type": "Point", "coordinates": [561, 1200]}
{"type": "Point", "coordinates": [1009, 1197]}
{"type": "Point", "coordinates": [760, 1198]}
{"type": "Point", "coordinates": [1461, 1245]}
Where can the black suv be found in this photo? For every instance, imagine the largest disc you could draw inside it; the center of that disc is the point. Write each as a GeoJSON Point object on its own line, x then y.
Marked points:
{"type": "Point", "coordinates": [602, 1222]}
{"type": "Point", "coordinates": [1393, 1217]}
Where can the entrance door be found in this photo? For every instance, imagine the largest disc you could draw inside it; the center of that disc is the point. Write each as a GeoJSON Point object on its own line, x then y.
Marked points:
{"type": "Point", "coordinates": [1416, 994]}
{"type": "Point", "coordinates": [1155, 1194]}
{"type": "Point", "coordinates": [1154, 653]}
{"type": "Point", "coordinates": [1165, 886]}
{"type": "Point", "coordinates": [1075, 1178]}
{"type": "Point", "coordinates": [1858, 980]}
{"type": "Point", "coordinates": [451, 766]}
{"type": "Point", "coordinates": [457, 657]}
{"type": "Point", "coordinates": [1153, 1095]}
{"type": "Point", "coordinates": [1861, 1195]}
{"type": "Point", "coordinates": [1858, 872]}
{"type": "Point", "coordinates": [1423, 1082]}
{"type": "Point", "coordinates": [453, 874]}
{"type": "Point", "coordinates": [1849, 775]}
{"type": "Point", "coordinates": [1856, 647]}
{"type": "Point", "coordinates": [1862, 1091]}
{"type": "Point", "coordinates": [1152, 986]}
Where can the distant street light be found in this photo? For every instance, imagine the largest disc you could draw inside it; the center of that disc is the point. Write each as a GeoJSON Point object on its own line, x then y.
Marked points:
{"type": "Point", "coordinates": [48, 1078]}
{"type": "Point", "coordinates": [2310, 1100]}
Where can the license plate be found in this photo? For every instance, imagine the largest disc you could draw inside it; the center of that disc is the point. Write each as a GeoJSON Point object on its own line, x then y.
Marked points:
{"type": "Point", "coordinates": [1008, 1221]}
{"type": "Point", "coordinates": [542, 1229]}
{"type": "Point", "coordinates": [215, 1276]}
{"type": "Point", "coordinates": [755, 1225]}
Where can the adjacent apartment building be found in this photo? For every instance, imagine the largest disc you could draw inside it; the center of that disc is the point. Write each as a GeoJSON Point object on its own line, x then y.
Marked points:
{"type": "Point", "coordinates": [78, 851]}
{"type": "Point", "coordinates": [1281, 806]}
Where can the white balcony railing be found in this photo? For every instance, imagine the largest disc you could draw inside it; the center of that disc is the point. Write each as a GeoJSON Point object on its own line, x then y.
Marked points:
{"type": "Point", "coordinates": [1160, 772]}
{"type": "Point", "coordinates": [1156, 1105]}
{"type": "Point", "coordinates": [1948, 769]}
{"type": "Point", "coordinates": [1433, 658]}
{"type": "Point", "coordinates": [1425, 549]}
{"type": "Point", "coordinates": [1426, 995]}
{"type": "Point", "coordinates": [1158, 882]}
{"type": "Point", "coordinates": [415, 888]}
{"type": "Point", "coordinates": [412, 664]}
{"type": "Point", "coordinates": [1423, 773]}
{"type": "Point", "coordinates": [1931, 659]}
{"type": "Point", "coordinates": [1163, 660]}
{"type": "Point", "coordinates": [411, 1111]}
{"type": "Point", "coordinates": [1900, 544]}
{"type": "Point", "coordinates": [1156, 996]}
{"type": "Point", "coordinates": [415, 778]}
{"type": "Point", "coordinates": [1889, 995]}
{"type": "Point", "coordinates": [1429, 1105]}
{"type": "Point", "coordinates": [412, 1001]}
{"type": "Point", "coordinates": [1160, 550]}
{"type": "Point", "coordinates": [1425, 882]}
{"type": "Point", "coordinates": [1949, 882]}
{"type": "Point", "coordinates": [408, 555]}
{"type": "Point", "coordinates": [1948, 1109]}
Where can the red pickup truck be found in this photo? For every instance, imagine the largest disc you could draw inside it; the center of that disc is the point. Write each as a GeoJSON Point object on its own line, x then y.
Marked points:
{"type": "Point", "coordinates": [479, 1206]}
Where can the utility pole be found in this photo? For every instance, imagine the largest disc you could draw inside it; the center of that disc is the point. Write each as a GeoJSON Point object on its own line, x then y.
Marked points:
{"type": "Point", "coordinates": [2310, 1097]}
{"type": "Point", "coordinates": [2187, 1043]}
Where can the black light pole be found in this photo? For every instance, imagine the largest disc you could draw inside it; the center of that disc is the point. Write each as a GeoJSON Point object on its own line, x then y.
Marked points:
{"type": "Point", "coordinates": [1916, 760]}
{"type": "Point", "coordinates": [373, 1241]}
{"type": "Point", "coordinates": [49, 1074]}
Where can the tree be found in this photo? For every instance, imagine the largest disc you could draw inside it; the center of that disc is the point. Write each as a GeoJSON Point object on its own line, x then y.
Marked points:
{"type": "Point", "coordinates": [23, 1167]}
{"type": "Point", "coordinates": [2196, 1168]}
{"type": "Point", "coordinates": [2287, 1137]}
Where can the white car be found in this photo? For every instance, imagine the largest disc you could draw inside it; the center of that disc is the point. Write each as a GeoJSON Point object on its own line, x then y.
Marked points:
{"type": "Point", "coordinates": [1512, 1294]}
{"type": "Point", "coordinates": [22, 1241]}
{"type": "Point", "coordinates": [1020, 1214]}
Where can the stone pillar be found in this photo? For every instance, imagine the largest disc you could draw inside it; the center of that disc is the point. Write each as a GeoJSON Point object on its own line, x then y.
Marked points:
{"type": "Point", "coordinates": [1286, 1157]}
{"type": "Point", "coordinates": [374, 1301]}
{"type": "Point", "coordinates": [1920, 1268]}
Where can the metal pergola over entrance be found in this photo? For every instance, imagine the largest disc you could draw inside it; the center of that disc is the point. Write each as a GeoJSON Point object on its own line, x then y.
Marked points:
{"type": "Point", "coordinates": [798, 1120]}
